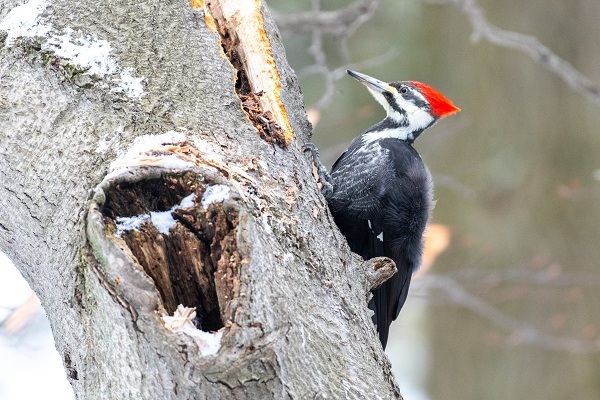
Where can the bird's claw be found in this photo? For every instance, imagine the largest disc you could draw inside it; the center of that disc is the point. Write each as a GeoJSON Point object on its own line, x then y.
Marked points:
{"type": "Point", "coordinates": [324, 176]}
{"type": "Point", "coordinates": [310, 147]}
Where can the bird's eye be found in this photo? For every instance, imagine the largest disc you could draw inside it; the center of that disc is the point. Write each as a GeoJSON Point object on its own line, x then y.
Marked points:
{"type": "Point", "coordinates": [403, 90]}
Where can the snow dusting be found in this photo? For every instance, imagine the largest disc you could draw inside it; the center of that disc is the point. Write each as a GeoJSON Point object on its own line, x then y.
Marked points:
{"type": "Point", "coordinates": [139, 153]}
{"type": "Point", "coordinates": [162, 220]}
{"type": "Point", "coordinates": [131, 85]}
{"type": "Point", "coordinates": [91, 53]}
{"type": "Point", "coordinates": [187, 201]}
{"type": "Point", "coordinates": [146, 143]}
{"type": "Point", "coordinates": [208, 343]}
{"type": "Point", "coordinates": [25, 21]}
{"type": "Point", "coordinates": [86, 52]}
{"type": "Point", "coordinates": [126, 224]}
{"type": "Point", "coordinates": [215, 194]}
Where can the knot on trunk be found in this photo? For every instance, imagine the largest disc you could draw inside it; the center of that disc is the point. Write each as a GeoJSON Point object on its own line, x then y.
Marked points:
{"type": "Point", "coordinates": [378, 270]}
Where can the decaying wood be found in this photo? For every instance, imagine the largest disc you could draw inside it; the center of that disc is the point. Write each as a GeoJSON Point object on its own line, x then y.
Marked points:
{"type": "Point", "coordinates": [196, 264]}
{"type": "Point", "coordinates": [268, 129]}
{"type": "Point", "coordinates": [248, 48]}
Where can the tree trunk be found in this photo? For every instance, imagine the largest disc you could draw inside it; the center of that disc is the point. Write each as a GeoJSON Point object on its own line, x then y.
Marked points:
{"type": "Point", "coordinates": [214, 205]}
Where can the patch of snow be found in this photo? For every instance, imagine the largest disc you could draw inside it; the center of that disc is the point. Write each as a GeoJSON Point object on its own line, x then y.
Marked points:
{"type": "Point", "coordinates": [138, 154]}
{"type": "Point", "coordinates": [163, 220]}
{"type": "Point", "coordinates": [208, 343]}
{"type": "Point", "coordinates": [130, 85]}
{"type": "Point", "coordinates": [596, 174]}
{"type": "Point", "coordinates": [146, 143]}
{"type": "Point", "coordinates": [214, 194]}
{"type": "Point", "coordinates": [86, 52]}
{"type": "Point", "coordinates": [25, 21]}
{"type": "Point", "coordinates": [174, 162]}
{"type": "Point", "coordinates": [187, 201]}
{"type": "Point", "coordinates": [126, 224]}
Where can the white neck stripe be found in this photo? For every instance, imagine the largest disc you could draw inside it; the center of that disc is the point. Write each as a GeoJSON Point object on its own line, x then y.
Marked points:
{"type": "Point", "coordinates": [403, 133]}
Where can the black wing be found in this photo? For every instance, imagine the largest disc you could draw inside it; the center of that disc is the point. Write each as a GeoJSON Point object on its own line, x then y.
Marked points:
{"type": "Point", "coordinates": [388, 300]}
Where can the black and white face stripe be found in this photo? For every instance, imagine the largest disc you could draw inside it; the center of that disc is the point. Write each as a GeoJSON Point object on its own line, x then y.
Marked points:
{"type": "Point", "coordinates": [412, 94]}
{"type": "Point", "coordinates": [408, 112]}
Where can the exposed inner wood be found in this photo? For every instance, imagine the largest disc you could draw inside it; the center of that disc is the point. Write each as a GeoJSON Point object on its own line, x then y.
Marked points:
{"type": "Point", "coordinates": [196, 264]}
{"type": "Point", "coordinates": [246, 45]}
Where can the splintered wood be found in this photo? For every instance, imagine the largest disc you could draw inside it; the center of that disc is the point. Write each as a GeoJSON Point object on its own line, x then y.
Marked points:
{"type": "Point", "coordinates": [246, 45]}
{"type": "Point", "coordinates": [268, 129]}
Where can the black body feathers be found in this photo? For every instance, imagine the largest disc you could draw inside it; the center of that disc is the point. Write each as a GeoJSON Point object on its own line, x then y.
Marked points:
{"type": "Point", "coordinates": [381, 201]}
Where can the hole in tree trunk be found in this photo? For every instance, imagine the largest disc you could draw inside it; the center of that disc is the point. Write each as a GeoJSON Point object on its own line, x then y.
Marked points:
{"type": "Point", "coordinates": [184, 238]}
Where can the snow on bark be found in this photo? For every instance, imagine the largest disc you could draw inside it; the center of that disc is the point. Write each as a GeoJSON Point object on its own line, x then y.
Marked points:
{"type": "Point", "coordinates": [25, 21]}
{"type": "Point", "coordinates": [163, 221]}
{"type": "Point", "coordinates": [215, 194]}
{"type": "Point", "coordinates": [85, 52]}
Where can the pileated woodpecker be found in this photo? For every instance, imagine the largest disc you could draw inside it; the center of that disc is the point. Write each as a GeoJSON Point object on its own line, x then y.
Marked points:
{"type": "Point", "coordinates": [381, 193]}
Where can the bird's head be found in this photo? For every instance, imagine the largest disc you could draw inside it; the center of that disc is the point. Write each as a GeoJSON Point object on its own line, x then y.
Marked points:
{"type": "Point", "coordinates": [411, 107]}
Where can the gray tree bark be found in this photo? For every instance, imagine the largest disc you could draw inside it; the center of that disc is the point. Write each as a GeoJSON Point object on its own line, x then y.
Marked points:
{"type": "Point", "coordinates": [264, 263]}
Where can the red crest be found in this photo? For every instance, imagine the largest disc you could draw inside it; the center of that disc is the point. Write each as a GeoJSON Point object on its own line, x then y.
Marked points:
{"type": "Point", "coordinates": [441, 106]}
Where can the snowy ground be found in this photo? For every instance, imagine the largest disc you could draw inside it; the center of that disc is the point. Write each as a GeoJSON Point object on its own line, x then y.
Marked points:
{"type": "Point", "coordinates": [30, 366]}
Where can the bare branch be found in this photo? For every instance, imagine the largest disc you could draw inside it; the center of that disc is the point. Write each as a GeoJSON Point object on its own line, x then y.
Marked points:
{"type": "Point", "coordinates": [332, 76]}
{"type": "Point", "coordinates": [530, 45]}
{"type": "Point", "coordinates": [521, 332]}
{"type": "Point", "coordinates": [339, 23]}
{"type": "Point", "coordinates": [342, 23]}
{"type": "Point", "coordinates": [551, 276]}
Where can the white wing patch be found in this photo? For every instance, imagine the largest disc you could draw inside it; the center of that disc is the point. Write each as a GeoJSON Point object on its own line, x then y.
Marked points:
{"type": "Point", "coordinates": [380, 236]}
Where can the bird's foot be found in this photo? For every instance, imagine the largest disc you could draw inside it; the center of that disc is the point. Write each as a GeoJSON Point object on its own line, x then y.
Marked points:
{"type": "Point", "coordinates": [324, 176]}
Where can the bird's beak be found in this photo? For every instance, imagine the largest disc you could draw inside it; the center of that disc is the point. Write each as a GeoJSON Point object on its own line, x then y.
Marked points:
{"type": "Point", "coordinates": [370, 82]}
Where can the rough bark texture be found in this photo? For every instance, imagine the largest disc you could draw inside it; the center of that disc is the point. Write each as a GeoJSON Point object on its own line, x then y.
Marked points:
{"type": "Point", "coordinates": [266, 263]}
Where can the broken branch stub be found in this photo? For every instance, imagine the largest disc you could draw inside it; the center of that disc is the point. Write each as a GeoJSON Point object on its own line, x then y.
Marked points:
{"type": "Point", "coordinates": [176, 227]}
{"type": "Point", "coordinates": [378, 270]}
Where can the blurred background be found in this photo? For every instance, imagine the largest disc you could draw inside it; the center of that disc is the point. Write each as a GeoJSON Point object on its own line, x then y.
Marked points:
{"type": "Point", "coordinates": [510, 307]}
